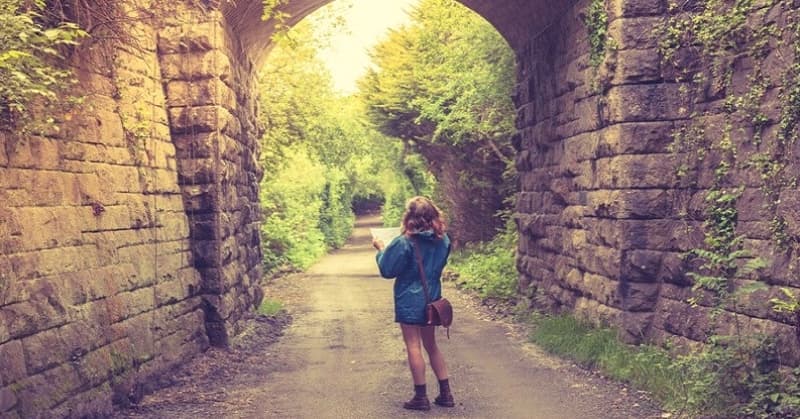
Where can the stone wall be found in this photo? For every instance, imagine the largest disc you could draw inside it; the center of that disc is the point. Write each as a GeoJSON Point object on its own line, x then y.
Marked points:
{"type": "Point", "coordinates": [212, 110]}
{"type": "Point", "coordinates": [602, 214]}
{"type": "Point", "coordinates": [128, 234]}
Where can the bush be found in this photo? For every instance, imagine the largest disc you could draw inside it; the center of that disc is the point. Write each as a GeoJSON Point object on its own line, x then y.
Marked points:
{"type": "Point", "coordinates": [291, 233]}
{"type": "Point", "coordinates": [490, 267]}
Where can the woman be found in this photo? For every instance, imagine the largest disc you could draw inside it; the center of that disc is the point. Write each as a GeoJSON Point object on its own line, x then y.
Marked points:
{"type": "Point", "coordinates": [423, 228]}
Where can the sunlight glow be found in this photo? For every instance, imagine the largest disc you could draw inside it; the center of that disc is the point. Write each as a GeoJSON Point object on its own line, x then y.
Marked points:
{"type": "Point", "coordinates": [363, 24]}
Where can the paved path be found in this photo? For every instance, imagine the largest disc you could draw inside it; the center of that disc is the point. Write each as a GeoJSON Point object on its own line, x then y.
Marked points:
{"type": "Point", "coordinates": [343, 357]}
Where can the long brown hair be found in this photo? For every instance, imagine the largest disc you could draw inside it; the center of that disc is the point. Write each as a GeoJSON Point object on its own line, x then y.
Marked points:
{"type": "Point", "coordinates": [422, 215]}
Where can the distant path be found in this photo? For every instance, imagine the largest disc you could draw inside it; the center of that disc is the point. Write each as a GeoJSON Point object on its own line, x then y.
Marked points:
{"type": "Point", "coordinates": [342, 357]}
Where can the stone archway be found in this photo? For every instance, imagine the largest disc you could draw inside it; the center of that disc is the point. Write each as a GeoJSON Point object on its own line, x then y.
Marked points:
{"type": "Point", "coordinates": [209, 60]}
{"type": "Point", "coordinates": [124, 251]}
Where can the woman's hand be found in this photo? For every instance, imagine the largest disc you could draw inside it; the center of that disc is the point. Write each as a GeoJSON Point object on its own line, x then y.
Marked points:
{"type": "Point", "coordinates": [378, 244]}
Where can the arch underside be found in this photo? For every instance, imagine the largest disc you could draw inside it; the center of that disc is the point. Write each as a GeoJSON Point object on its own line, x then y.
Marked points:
{"type": "Point", "coordinates": [516, 20]}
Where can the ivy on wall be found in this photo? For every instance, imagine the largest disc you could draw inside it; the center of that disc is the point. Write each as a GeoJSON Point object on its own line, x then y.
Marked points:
{"type": "Point", "coordinates": [31, 50]}
{"type": "Point", "coordinates": [737, 61]}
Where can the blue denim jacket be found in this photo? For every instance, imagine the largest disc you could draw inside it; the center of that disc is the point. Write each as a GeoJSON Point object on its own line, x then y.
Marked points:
{"type": "Point", "coordinates": [397, 260]}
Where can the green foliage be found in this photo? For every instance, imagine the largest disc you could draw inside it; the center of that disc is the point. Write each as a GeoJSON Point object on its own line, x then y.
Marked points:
{"type": "Point", "coordinates": [442, 84]}
{"type": "Point", "coordinates": [291, 203]}
{"type": "Point", "coordinates": [646, 367]}
{"type": "Point", "coordinates": [596, 21]}
{"type": "Point", "coordinates": [269, 307]}
{"type": "Point", "coordinates": [447, 77]}
{"type": "Point", "coordinates": [490, 267]}
{"type": "Point", "coordinates": [737, 378]}
{"type": "Point", "coordinates": [29, 53]}
{"type": "Point", "coordinates": [318, 155]}
{"type": "Point", "coordinates": [726, 379]}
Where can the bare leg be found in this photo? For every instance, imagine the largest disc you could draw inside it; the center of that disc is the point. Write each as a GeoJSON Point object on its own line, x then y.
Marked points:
{"type": "Point", "coordinates": [411, 336]}
{"type": "Point", "coordinates": [434, 355]}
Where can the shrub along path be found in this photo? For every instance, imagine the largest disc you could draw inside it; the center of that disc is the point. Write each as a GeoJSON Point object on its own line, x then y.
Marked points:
{"type": "Point", "coordinates": [342, 357]}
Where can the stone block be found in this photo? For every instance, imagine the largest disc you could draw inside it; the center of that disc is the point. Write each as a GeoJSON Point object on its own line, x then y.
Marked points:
{"type": "Point", "coordinates": [28, 317]}
{"type": "Point", "coordinates": [635, 8]}
{"type": "Point", "coordinates": [644, 102]}
{"type": "Point", "coordinates": [194, 37]}
{"type": "Point", "coordinates": [48, 227]}
{"type": "Point", "coordinates": [5, 138]}
{"type": "Point", "coordinates": [12, 363]}
{"type": "Point", "coordinates": [634, 328]}
{"type": "Point", "coordinates": [8, 399]}
{"type": "Point", "coordinates": [680, 318]}
{"type": "Point", "coordinates": [601, 289]}
{"type": "Point", "coordinates": [637, 66]}
{"type": "Point", "coordinates": [160, 181]}
{"type": "Point", "coordinates": [128, 304]}
{"type": "Point", "coordinates": [198, 171]}
{"type": "Point", "coordinates": [206, 254]}
{"type": "Point", "coordinates": [635, 32]}
{"type": "Point", "coordinates": [640, 266]}
{"type": "Point", "coordinates": [636, 171]}
{"type": "Point", "coordinates": [192, 120]}
{"type": "Point", "coordinates": [600, 260]}
{"type": "Point", "coordinates": [95, 402]}
{"type": "Point", "coordinates": [44, 350]}
{"type": "Point", "coordinates": [169, 292]}
{"type": "Point", "coordinates": [38, 188]}
{"type": "Point", "coordinates": [596, 313]}
{"type": "Point", "coordinates": [102, 125]}
{"type": "Point", "coordinates": [200, 93]}
{"type": "Point", "coordinates": [635, 138]}
{"type": "Point", "coordinates": [197, 66]}
{"type": "Point", "coordinates": [41, 392]}
{"type": "Point", "coordinates": [633, 203]}
{"type": "Point", "coordinates": [33, 152]}
{"type": "Point", "coordinates": [789, 210]}
{"type": "Point", "coordinates": [200, 199]}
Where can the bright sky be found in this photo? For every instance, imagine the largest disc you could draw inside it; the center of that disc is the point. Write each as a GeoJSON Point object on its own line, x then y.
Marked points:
{"type": "Point", "coordinates": [365, 23]}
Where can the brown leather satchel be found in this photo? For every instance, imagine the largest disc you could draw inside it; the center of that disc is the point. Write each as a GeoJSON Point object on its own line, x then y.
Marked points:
{"type": "Point", "coordinates": [439, 312]}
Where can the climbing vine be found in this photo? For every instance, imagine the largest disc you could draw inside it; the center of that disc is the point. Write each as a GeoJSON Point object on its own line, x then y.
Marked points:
{"type": "Point", "coordinates": [735, 61]}
{"type": "Point", "coordinates": [30, 48]}
{"type": "Point", "coordinates": [596, 21]}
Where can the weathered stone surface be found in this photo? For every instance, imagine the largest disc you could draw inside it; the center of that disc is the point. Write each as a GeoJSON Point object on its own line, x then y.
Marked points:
{"type": "Point", "coordinates": [635, 32]}
{"type": "Point", "coordinates": [635, 8]}
{"type": "Point", "coordinates": [637, 66]}
{"type": "Point", "coordinates": [200, 93]}
{"type": "Point", "coordinates": [12, 363]}
{"type": "Point", "coordinates": [640, 171]}
{"type": "Point", "coordinates": [635, 138]}
{"type": "Point", "coordinates": [634, 203]}
{"type": "Point", "coordinates": [32, 152]}
{"type": "Point", "coordinates": [644, 102]}
{"type": "Point", "coordinates": [192, 37]}
{"type": "Point", "coordinates": [197, 66]}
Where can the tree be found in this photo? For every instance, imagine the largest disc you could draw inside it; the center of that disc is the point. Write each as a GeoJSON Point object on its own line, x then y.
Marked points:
{"type": "Point", "coordinates": [443, 85]}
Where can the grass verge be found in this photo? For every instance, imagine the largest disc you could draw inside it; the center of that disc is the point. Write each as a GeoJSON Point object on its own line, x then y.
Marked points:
{"type": "Point", "coordinates": [269, 307]}
{"type": "Point", "coordinates": [644, 367]}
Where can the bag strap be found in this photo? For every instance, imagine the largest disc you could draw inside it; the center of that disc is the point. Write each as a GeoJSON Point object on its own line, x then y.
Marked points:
{"type": "Point", "coordinates": [422, 276]}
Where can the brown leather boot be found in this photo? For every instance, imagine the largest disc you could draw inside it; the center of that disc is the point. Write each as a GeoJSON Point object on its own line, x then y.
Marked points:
{"type": "Point", "coordinates": [445, 397]}
{"type": "Point", "coordinates": [419, 401]}
{"type": "Point", "coordinates": [445, 400]}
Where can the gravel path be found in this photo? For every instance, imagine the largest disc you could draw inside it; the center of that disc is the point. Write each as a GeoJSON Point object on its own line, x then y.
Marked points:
{"type": "Point", "coordinates": [338, 354]}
